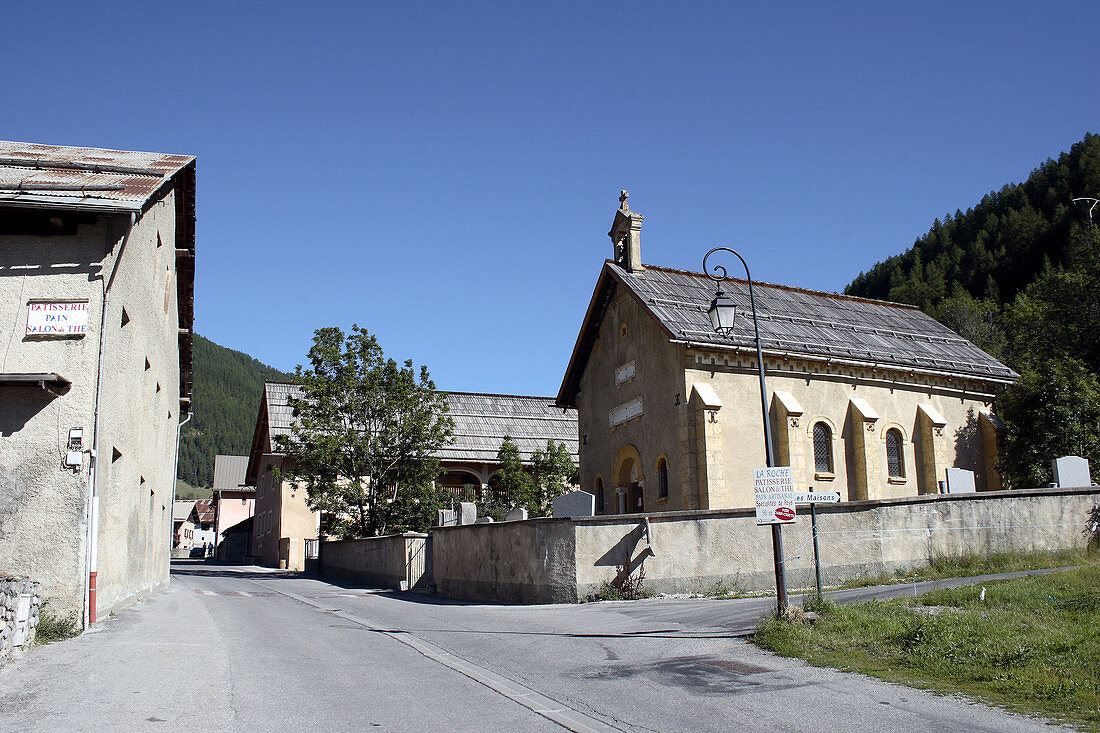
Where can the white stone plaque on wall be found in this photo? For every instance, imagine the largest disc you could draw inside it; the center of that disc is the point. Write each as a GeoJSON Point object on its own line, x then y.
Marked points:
{"type": "Point", "coordinates": [624, 373]}
{"type": "Point", "coordinates": [627, 411]}
{"type": "Point", "coordinates": [57, 318]}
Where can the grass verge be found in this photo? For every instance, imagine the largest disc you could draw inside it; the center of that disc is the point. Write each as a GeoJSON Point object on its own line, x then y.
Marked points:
{"type": "Point", "coordinates": [1030, 646]}
{"type": "Point", "coordinates": [967, 565]}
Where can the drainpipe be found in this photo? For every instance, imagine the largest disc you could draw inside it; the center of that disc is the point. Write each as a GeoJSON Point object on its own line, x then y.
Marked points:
{"type": "Point", "coordinates": [93, 471]}
{"type": "Point", "coordinates": [175, 469]}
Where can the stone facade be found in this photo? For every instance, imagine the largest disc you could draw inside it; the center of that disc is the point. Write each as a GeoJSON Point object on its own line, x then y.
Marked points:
{"type": "Point", "coordinates": [670, 413]}
{"type": "Point", "coordinates": [64, 511]}
{"type": "Point", "coordinates": [19, 606]}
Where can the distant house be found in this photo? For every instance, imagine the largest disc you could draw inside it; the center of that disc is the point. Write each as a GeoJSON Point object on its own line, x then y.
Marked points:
{"type": "Point", "coordinates": [283, 521]}
{"type": "Point", "coordinates": [233, 500]}
{"type": "Point", "coordinates": [181, 510]}
{"type": "Point", "coordinates": [197, 530]}
{"type": "Point", "coordinates": [97, 254]}
{"type": "Point", "coordinates": [866, 398]}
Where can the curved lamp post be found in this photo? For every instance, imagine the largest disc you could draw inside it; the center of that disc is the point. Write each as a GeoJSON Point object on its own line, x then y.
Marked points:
{"type": "Point", "coordinates": [722, 313]}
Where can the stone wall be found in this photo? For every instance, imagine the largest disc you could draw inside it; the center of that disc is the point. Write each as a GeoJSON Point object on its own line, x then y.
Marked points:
{"type": "Point", "coordinates": [400, 561]}
{"type": "Point", "coordinates": [19, 604]}
{"type": "Point", "coordinates": [565, 560]}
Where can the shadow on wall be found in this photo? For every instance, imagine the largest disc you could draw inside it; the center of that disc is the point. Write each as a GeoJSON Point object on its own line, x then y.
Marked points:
{"type": "Point", "coordinates": [968, 447]}
{"type": "Point", "coordinates": [622, 554]}
{"type": "Point", "coordinates": [19, 405]}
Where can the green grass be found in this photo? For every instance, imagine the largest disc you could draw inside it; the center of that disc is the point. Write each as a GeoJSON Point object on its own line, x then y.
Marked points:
{"type": "Point", "coordinates": [967, 565]}
{"type": "Point", "coordinates": [1031, 646]}
{"type": "Point", "coordinates": [54, 627]}
{"type": "Point", "coordinates": [186, 491]}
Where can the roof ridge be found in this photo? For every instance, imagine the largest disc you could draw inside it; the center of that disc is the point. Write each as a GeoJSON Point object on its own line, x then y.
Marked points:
{"type": "Point", "coordinates": [496, 394]}
{"type": "Point", "coordinates": [789, 288]}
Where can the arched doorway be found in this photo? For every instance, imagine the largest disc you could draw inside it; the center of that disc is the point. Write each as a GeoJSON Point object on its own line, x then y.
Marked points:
{"type": "Point", "coordinates": [463, 485]}
{"type": "Point", "coordinates": [629, 486]}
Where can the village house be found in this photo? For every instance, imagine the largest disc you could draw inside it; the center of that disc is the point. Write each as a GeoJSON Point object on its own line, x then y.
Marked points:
{"type": "Point", "coordinates": [869, 399]}
{"type": "Point", "coordinates": [283, 522]}
{"type": "Point", "coordinates": [97, 253]}
{"type": "Point", "coordinates": [196, 531]}
{"type": "Point", "coordinates": [233, 501]}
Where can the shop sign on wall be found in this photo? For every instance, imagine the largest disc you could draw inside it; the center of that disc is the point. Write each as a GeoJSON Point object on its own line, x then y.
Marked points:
{"type": "Point", "coordinates": [57, 318]}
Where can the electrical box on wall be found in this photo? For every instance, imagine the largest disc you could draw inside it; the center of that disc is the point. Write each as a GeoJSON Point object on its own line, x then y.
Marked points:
{"type": "Point", "coordinates": [76, 438]}
{"type": "Point", "coordinates": [74, 459]}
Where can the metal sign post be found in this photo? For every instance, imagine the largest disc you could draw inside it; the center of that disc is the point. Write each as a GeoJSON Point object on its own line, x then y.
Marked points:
{"type": "Point", "coordinates": [817, 554]}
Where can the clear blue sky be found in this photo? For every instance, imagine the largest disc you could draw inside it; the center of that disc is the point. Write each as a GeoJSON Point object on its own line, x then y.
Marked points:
{"type": "Point", "coordinates": [445, 174]}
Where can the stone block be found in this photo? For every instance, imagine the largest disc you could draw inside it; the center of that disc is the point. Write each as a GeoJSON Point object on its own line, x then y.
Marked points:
{"type": "Point", "coordinates": [1072, 471]}
{"type": "Point", "coordinates": [960, 481]}
{"type": "Point", "coordinates": [517, 514]}
{"type": "Point", "coordinates": [467, 512]}
{"type": "Point", "coordinates": [484, 520]}
{"type": "Point", "coordinates": [446, 518]}
{"type": "Point", "coordinates": [574, 504]}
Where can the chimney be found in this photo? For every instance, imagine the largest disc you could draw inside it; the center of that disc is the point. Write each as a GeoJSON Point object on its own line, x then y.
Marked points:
{"type": "Point", "coordinates": [626, 236]}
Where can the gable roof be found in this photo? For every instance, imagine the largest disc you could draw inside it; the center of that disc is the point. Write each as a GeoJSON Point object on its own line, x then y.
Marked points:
{"type": "Point", "coordinates": [229, 471]}
{"type": "Point", "coordinates": [482, 420]}
{"type": "Point", "coordinates": [793, 321]}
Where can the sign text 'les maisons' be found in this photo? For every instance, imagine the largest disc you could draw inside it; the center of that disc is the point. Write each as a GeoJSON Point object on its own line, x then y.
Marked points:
{"type": "Point", "coordinates": [57, 318]}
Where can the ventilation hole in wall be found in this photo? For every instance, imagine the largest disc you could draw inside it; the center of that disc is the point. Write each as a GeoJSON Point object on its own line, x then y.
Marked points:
{"type": "Point", "coordinates": [115, 455]}
{"type": "Point", "coordinates": [158, 239]}
{"type": "Point", "coordinates": [158, 389]}
{"type": "Point", "coordinates": [147, 364]}
{"type": "Point", "coordinates": [169, 414]}
{"type": "Point", "coordinates": [141, 480]}
{"type": "Point", "coordinates": [125, 317]}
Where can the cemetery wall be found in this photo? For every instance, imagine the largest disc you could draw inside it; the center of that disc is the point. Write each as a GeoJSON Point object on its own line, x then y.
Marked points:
{"type": "Point", "coordinates": [565, 560]}
{"type": "Point", "coordinates": [386, 562]}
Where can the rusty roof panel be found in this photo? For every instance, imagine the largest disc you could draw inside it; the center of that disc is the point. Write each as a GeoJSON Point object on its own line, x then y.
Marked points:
{"type": "Point", "coordinates": [90, 179]}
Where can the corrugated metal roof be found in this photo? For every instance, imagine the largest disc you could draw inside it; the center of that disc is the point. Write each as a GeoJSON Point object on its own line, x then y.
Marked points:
{"type": "Point", "coordinates": [182, 508]}
{"type": "Point", "coordinates": [481, 422]}
{"type": "Point", "coordinates": [229, 471]}
{"type": "Point", "coordinates": [86, 179]}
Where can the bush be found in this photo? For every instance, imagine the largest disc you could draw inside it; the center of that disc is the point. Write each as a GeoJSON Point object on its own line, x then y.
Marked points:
{"type": "Point", "coordinates": [54, 626]}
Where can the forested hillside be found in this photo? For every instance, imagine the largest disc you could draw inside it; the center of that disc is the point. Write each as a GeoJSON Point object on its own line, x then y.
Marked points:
{"type": "Point", "coordinates": [226, 399]}
{"type": "Point", "coordinates": [1019, 274]}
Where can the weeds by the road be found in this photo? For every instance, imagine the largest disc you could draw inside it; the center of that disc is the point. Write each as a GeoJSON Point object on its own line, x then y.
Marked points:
{"type": "Point", "coordinates": [54, 626]}
{"type": "Point", "coordinates": [625, 587]}
{"type": "Point", "coordinates": [1029, 644]}
{"type": "Point", "coordinates": [969, 565]}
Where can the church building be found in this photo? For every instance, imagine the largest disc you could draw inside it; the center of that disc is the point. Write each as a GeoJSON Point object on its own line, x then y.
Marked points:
{"type": "Point", "coordinates": [870, 399]}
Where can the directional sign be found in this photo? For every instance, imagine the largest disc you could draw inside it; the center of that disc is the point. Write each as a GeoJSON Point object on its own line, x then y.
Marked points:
{"type": "Point", "coordinates": [817, 497]}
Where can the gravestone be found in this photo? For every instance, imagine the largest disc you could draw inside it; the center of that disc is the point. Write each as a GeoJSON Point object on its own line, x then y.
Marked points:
{"type": "Point", "coordinates": [513, 515]}
{"type": "Point", "coordinates": [574, 504]}
{"type": "Point", "coordinates": [960, 481]}
{"type": "Point", "coordinates": [467, 512]}
{"type": "Point", "coordinates": [446, 518]}
{"type": "Point", "coordinates": [1072, 471]}
{"type": "Point", "coordinates": [484, 520]}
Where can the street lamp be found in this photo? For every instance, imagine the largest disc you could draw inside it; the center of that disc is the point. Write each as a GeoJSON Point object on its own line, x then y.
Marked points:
{"type": "Point", "coordinates": [722, 312]}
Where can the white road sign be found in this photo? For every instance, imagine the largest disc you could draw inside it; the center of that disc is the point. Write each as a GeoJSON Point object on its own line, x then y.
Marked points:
{"type": "Point", "coordinates": [817, 497]}
{"type": "Point", "coordinates": [775, 495]}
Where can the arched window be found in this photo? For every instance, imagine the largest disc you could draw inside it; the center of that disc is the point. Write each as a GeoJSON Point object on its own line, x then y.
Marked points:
{"type": "Point", "coordinates": [662, 478]}
{"type": "Point", "coordinates": [599, 495]}
{"type": "Point", "coordinates": [895, 463]}
{"type": "Point", "coordinates": [823, 448]}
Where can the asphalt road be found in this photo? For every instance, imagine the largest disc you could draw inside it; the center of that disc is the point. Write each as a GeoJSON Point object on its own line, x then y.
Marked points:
{"type": "Point", "coordinates": [248, 649]}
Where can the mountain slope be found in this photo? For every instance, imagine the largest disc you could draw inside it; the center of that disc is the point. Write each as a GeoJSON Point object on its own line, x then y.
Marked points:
{"type": "Point", "coordinates": [226, 398]}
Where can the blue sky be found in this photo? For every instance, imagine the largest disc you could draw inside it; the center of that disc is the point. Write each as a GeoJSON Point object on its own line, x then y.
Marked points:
{"type": "Point", "coordinates": [445, 174]}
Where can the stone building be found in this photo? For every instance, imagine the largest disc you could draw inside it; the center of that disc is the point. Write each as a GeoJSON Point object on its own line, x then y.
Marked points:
{"type": "Point", "coordinates": [866, 398]}
{"type": "Point", "coordinates": [283, 521]}
{"type": "Point", "coordinates": [96, 280]}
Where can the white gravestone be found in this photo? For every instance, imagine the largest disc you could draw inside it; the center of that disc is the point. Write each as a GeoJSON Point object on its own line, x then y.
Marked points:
{"type": "Point", "coordinates": [960, 481]}
{"type": "Point", "coordinates": [446, 518]}
{"type": "Point", "coordinates": [517, 514]}
{"type": "Point", "coordinates": [1072, 471]}
{"type": "Point", "coordinates": [467, 512]}
{"type": "Point", "coordinates": [574, 504]}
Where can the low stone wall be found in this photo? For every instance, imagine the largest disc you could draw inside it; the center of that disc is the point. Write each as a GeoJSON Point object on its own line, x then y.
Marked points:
{"type": "Point", "coordinates": [400, 561]}
{"type": "Point", "coordinates": [565, 560]}
{"type": "Point", "coordinates": [19, 604]}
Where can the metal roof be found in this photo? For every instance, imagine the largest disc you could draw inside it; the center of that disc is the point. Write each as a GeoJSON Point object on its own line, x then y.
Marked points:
{"type": "Point", "coordinates": [481, 421]}
{"type": "Point", "coordinates": [229, 471]}
{"type": "Point", "coordinates": [83, 179]}
{"type": "Point", "coordinates": [792, 321]}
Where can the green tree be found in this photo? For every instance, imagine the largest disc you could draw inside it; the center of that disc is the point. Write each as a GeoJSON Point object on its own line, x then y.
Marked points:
{"type": "Point", "coordinates": [553, 474]}
{"type": "Point", "coordinates": [1052, 410]}
{"type": "Point", "coordinates": [510, 486]}
{"type": "Point", "coordinates": [364, 433]}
